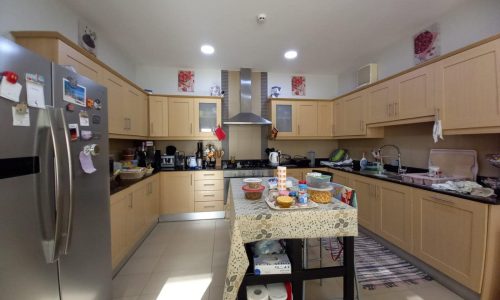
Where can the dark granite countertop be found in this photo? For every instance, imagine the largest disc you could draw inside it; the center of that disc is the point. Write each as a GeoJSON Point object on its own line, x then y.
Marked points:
{"type": "Point", "coordinates": [356, 170]}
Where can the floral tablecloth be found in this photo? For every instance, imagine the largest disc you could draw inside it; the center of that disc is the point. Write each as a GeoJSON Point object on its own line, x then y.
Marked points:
{"type": "Point", "coordinates": [254, 220]}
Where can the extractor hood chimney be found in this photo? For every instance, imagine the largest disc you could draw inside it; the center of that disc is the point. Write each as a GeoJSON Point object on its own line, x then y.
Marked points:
{"type": "Point", "coordinates": [246, 117]}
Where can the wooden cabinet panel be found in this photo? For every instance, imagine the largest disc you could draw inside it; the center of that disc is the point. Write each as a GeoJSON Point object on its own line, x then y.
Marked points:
{"type": "Point", "coordinates": [209, 206]}
{"type": "Point", "coordinates": [135, 219]}
{"type": "Point", "coordinates": [177, 192]}
{"type": "Point", "coordinates": [395, 214]}
{"type": "Point", "coordinates": [202, 196]}
{"type": "Point", "coordinates": [82, 65]}
{"type": "Point", "coordinates": [136, 111]}
{"type": "Point", "coordinates": [367, 201]}
{"type": "Point", "coordinates": [338, 118]}
{"type": "Point", "coordinates": [209, 185]}
{"type": "Point", "coordinates": [340, 177]}
{"type": "Point", "coordinates": [284, 118]}
{"type": "Point", "coordinates": [118, 218]}
{"type": "Point", "coordinates": [180, 117]}
{"type": "Point", "coordinates": [415, 93]}
{"type": "Point", "coordinates": [207, 116]}
{"type": "Point", "coordinates": [153, 201]}
{"type": "Point", "coordinates": [202, 175]}
{"type": "Point", "coordinates": [307, 112]}
{"type": "Point", "coordinates": [117, 120]}
{"type": "Point", "coordinates": [325, 118]}
{"type": "Point", "coordinates": [353, 111]}
{"type": "Point", "coordinates": [450, 235]}
{"type": "Point", "coordinates": [158, 116]}
{"type": "Point", "coordinates": [381, 102]}
{"type": "Point", "coordinates": [468, 88]}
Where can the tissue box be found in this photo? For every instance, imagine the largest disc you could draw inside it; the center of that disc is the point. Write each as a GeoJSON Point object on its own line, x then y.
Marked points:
{"type": "Point", "coordinates": [272, 264]}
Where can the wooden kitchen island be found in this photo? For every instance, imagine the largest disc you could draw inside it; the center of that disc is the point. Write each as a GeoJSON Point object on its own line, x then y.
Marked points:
{"type": "Point", "coordinates": [253, 221]}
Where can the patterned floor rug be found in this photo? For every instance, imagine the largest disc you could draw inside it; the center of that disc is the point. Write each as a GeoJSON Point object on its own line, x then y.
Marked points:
{"type": "Point", "coordinates": [376, 266]}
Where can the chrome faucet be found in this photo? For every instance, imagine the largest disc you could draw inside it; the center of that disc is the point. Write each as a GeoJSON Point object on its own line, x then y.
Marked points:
{"type": "Point", "coordinates": [378, 155]}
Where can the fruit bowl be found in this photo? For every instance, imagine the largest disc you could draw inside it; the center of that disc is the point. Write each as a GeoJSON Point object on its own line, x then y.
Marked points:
{"type": "Point", "coordinates": [494, 159]}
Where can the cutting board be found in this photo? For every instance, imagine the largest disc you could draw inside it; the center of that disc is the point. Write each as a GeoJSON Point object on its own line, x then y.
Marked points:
{"type": "Point", "coordinates": [455, 162]}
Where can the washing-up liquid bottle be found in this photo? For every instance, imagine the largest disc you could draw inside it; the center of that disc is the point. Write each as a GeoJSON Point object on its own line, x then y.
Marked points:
{"type": "Point", "coordinates": [363, 162]}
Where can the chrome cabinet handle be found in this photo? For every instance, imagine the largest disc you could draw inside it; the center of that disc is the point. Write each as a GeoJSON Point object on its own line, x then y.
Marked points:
{"type": "Point", "coordinates": [191, 128]}
{"type": "Point", "coordinates": [151, 127]}
{"type": "Point", "coordinates": [191, 179]}
{"type": "Point", "coordinates": [209, 174]}
{"type": "Point", "coordinates": [396, 109]}
{"type": "Point", "coordinates": [209, 195]}
{"type": "Point", "coordinates": [208, 184]}
{"type": "Point", "coordinates": [208, 206]}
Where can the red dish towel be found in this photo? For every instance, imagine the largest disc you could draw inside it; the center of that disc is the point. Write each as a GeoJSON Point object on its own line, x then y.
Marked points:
{"type": "Point", "coordinates": [219, 132]}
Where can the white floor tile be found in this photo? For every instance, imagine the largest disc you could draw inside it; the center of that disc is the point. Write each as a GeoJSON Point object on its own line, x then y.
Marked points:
{"type": "Point", "coordinates": [141, 265]}
{"type": "Point", "coordinates": [129, 285]}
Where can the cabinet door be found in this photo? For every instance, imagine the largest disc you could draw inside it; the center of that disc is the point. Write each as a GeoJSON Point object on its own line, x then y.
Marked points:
{"type": "Point", "coordinates": [180, 117]}
{"type": "Point", "coordinates": [353, 109]}
{"type": "Point", "coordinates": [207, 116]}
{"type": "Point", "coordinates": [152, 202]}
{"type": "Point", "coordinates": [367, 206]}
{"type": "Point", "coordinates": [158, 116]}
{"type": "Point", "coordinates": [395, 214]}
{"type": "Point", "coordinates": [338, 117]}
{"type": "Point", "coordinates": [450, 235]}
{"type": "Point", "coordinates": [118, 123]}
{"type": "Point", "coordinates": [177, 192]}
{"type": "Point", "coordinates": [307, 113]}
{"type": "Point", "coordinates": [136, 111]}
{"type": "Point", "coordinates": [415, 93]}
{"type": "Point", "coordinates": [340, 177]}
{"type": "Point", "coordinates": [381, 102]}
{"type": "Point", "coordinates": [118, 218]}
{"type": "Point", "coordinates": [137, 224]}
{"type": "Point", "coordinates": [325, 118]}
{"type": "Point", "coordinates": [468, 88]}
{"type": "Point", "coordinates": [284, 118]}
{"type": "Point", "coordinates": [82, 64]}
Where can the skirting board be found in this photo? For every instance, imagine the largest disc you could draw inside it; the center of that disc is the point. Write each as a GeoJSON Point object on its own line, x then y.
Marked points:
{"type": "Point", "coordinates": [193, 216]}
{"type": "Point", "coordinates": [448, 282]}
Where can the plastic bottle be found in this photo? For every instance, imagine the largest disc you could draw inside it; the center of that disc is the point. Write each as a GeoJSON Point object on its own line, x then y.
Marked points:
{"type": "Point", "coordinates": [363, 162]}
{"type": "Point", "coordinates": [303, 197]}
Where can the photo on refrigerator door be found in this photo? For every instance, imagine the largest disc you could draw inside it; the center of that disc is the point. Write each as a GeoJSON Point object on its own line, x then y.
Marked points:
{"type": "Point", "coordinates": [74, 93]}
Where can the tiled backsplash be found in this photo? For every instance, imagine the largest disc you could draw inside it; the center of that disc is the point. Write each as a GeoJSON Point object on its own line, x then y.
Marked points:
{"type": "Point", "coordinates": [415, 142]}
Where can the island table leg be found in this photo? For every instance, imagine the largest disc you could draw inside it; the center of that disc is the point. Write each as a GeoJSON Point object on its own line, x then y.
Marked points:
{"type": "Point", "coordinates": [348, 268]}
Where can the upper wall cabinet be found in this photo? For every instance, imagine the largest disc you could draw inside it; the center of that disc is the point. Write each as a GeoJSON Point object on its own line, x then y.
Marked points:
{"type": "Point", "coordinates": [302, 119]}
{"type": "Point", "coordinates": [127, 103]}
{"type": "Point", "coordinates": [468, 90]}
{"type": "Point", "coordinates": [183, 118]}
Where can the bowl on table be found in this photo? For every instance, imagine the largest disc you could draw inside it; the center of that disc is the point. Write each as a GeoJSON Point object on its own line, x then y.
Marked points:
{"type": "Point", "coordinates": [253, 183]}
{"type": "Point", "coordinates": [284, 201]}
{"type": "Point", "coordinates": [253, 194]}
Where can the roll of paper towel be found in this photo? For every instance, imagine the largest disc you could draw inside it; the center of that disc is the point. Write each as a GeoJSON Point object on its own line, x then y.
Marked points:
{"type": "Point", "coordinates": [257, 292]}
{"type": "Point", "coordinates": [277, 291]}
{"type": "Point", "coordinates": [281, 172]}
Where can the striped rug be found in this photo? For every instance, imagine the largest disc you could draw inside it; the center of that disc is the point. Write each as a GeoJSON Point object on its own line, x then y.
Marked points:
{"type": "Point", "coordinates": [376, 266]}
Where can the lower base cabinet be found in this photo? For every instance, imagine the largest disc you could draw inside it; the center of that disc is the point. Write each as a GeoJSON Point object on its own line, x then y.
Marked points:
{"type": "Point", "coordinates": [133, 211]}
{"type": "Point", "coordinates": [450, 235]}
{"type": "Point", "coordinates": [177, 192]}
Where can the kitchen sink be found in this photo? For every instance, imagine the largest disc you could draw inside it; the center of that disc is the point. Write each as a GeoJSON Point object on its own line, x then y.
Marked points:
{"type": "Point", "coordinates": [384, 174]}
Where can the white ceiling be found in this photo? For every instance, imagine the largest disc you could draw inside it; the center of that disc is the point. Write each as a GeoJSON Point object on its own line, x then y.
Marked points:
{"type": "Point", "coordinates": [329, 35]}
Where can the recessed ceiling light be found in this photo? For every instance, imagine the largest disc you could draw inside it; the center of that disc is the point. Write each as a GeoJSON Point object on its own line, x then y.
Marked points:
{"type": "Point", "coordinates": [291, 54]}
{"type": "Point", "coordinates": [207, 49]}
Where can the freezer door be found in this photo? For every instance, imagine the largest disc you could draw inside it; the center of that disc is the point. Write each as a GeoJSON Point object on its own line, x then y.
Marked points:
{"type": "Point", "coordinates": [27, 213]}
{"type": "Point", "coordinates": [85, 272]}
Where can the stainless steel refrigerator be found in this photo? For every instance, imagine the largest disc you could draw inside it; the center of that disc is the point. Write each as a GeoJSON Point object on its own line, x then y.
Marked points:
{"type": "Point", "coordinates": [54, 210]}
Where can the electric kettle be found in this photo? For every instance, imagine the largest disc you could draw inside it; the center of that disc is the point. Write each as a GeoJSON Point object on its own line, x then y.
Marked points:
{"type": "Point", "coordinates": [274, 158]}
{"type": "Point", "coordinates": [191, 162]}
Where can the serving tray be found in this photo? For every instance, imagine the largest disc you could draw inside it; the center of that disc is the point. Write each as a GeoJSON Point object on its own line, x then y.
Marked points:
{"type": "Point", "coordinates": [274, 206]}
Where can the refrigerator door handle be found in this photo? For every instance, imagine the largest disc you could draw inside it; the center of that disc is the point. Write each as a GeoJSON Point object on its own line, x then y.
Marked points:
{"type": "Point", "coordinates": [46, 141]}
{"type": "Point", "coordinates": [68, 182]}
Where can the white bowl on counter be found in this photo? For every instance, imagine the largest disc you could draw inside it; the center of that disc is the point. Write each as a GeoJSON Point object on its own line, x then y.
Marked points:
{"type": "Point", "coordinates": [132, 174]}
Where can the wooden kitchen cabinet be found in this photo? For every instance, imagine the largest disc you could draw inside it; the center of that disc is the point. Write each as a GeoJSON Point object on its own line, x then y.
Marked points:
{"type": "Point", "coordinates": [152, 201]}
{"type": "Point", "coordinates": [395, 214]}
{"type": "Point", "coordinates": [415, 94]}
{"type": "Point", "coordinates": [180, 117]}
{"type": "Point", "coordinates": [450, 235]}
{"type": "Point", "coordinates": [468, 90]}
{"type": "Point", "coordinates": [177, 192]}
{"type": "Point", "coordinates": [136, 224]}
{"type": "Point", "coordinates": [381, 102]}
{"type": "Point", "coordinates": [207, 116]}
{"type": "Point", "coordinates": [117, 119]}
{"type": "Point", "coordinates": [158, 116]}
{"type": "Point", "coordinates": [284, 118]}
{"type": "Point", "coordinates": [366, 190]}
{"type": "Point", "coordinates": [307, 122]}
{"type": "Point", "coordinates": [325, 118]}
{"type": "Point", "coordinates": [82, 65]}
{"type": "Point", "coordinates": [118, 219]}
{"type": "Point", "coordinates": [137, 111]}
{"type": "Point", "coordinates": [350, 114]}
{"type": "Point", "coordinates": [209, 191]}
{"type": "Point", "coordinates": [340, 177]}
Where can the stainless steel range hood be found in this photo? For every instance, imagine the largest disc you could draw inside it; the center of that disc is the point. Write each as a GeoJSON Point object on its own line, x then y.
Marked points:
{"type": "Point", "coordinates": [246, 117]}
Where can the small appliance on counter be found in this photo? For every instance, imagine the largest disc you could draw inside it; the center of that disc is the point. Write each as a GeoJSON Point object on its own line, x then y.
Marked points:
{"type": "Point", "coordinates": [167, 161]}
{"type": "Point", "coordinates": [157, 160]}
{"type": "Point", "coordinates": [274, 158]}
{"type": "Point", "coordinates": [191, 161]}
{"type": "Point", "coordinates": [179, 160]}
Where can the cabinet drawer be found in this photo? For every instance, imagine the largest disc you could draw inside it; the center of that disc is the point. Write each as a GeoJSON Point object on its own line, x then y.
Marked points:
{"type": "Point", "coordinates": [209, 185]}
{"type": "Point", "coordinates": [203, 196]}
{"type": "Point", "coordinates": [209, 206]}
{"type": "Point", "coordinates": [202, 175]}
